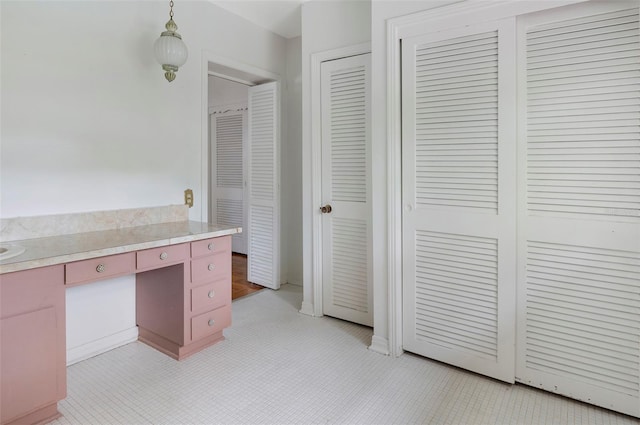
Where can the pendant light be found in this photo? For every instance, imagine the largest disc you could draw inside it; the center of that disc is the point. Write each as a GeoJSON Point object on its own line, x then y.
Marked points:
{"type": "Point", "coordinates": [170, 50]}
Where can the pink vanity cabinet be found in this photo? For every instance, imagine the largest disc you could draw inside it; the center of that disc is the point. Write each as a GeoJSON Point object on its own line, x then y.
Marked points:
{"type": "Point", "coordinates": [183, 301]}
{"type": "Point", "coordinates": [183, 308]}
{"type": "Point", "coordinates": [33, 349]}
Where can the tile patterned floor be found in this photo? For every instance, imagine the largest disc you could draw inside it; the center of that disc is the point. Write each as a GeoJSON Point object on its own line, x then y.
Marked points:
{"type": "Point", "coordinates": [280, 367]}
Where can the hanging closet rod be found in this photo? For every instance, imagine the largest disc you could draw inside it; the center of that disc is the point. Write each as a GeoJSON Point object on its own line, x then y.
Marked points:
{"type": "Point", "coordinates": [214, 111]}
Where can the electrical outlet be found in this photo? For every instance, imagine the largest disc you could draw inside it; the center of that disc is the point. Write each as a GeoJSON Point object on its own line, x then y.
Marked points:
{"type": "Point", "coordinates": [188, 197]}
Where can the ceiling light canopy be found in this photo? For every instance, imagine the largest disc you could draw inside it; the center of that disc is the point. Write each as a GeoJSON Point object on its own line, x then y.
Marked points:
{"type": "Point", "coordinates": [170, 50]}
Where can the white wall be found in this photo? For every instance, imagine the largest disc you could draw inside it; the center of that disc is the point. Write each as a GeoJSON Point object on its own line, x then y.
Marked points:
{"type": "Point", "coordinates": [89, 123]}
{"type": "Point", "coordinates": [80, 88]}
{"type": "Point", "coordinates": [326, 25]}
{"type": "Point", "coordinates": [292, 166]}
{"type": "Point", "coordinates": [224, 92]}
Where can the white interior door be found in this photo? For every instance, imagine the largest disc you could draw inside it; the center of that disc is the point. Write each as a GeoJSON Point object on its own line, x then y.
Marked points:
{"type": "Point", "coordinates": [579, 203]}
{"type": "Point", "coordinates": [228, 138]}
{"type": "Point", "coordinates": [458, 192]}
{"type": "Point", "coordinates": [263, 264]}
{"type": "Point", "coordinates": [346, 228]}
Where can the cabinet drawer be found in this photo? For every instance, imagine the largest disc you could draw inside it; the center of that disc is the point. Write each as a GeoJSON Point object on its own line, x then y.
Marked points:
{"type": "Point", "coordinates": [209, 246]}
{"type": "Point", "coordinates": [212, 267]}
{"type": "Point", "coordinates": [100, 268]}
{"type": "Point", "coordinates": [164, 255]}
{"type": "Point", "coordinates": [210, 323]}
{"type": "Point", "coordinates": [211, 296]}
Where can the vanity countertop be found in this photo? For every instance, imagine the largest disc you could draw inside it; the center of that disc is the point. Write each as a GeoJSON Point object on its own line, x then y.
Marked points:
{"type": "Point", "coordinates": [40, 252]}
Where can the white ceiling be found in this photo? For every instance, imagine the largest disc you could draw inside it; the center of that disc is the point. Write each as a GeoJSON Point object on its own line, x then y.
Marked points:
{"type": "Point", "coordinates": [279, 16]}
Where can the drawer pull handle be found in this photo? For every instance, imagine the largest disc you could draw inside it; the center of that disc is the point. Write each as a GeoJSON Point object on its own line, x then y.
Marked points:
{"type": "Point", "coordinates": [211, 294]}
{"type": "Point", "coordinates": [164, 256]}
{"type": "Point", "coordinates": [211, 322]}
{"type": "Point", "coordinates": [100, 268]}
{"type": "Point", "coordinates": [211, 267]}
{"type": "Point", "coordinates": [210, 246]}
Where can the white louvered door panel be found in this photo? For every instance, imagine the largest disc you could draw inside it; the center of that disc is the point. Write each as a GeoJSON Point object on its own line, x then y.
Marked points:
{"type": "Point", "coordinates": [346, 257]}
{"type": "Point", "coordinates": [263, 264]}
{"type": "Point", "coordinates": [579, 203]}
{"type": "Point", "coordinates": [228, 131]}
{"type": "Point", "coordinates": [458, 190]}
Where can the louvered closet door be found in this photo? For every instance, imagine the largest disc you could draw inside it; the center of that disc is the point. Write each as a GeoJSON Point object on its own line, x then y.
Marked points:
{"type": "Point", "coordinates": [263, 259]}
{"type": "Point", "coordinates": [458, 190]}
{"type": "Point", "coordinates": [579, 209]}
{"type": "Point", "coordinates": [228, 132]}
{"type": "Point", "coordinates": [346, 141]}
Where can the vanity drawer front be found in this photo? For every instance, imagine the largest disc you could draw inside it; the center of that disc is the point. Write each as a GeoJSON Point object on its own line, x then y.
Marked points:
{"type": "Point", "coordinates": [210, 323]}
{"type": "Point", "coordinates": [211, 296]}
{"type": "Point", "coordinates": [100, 268]}
{"type": "Point", "coordinates": [158, 257]}
{"type": "Point", "coordinates": [209, 246]}
{"type": "Point", "coordinates": [212, 267]}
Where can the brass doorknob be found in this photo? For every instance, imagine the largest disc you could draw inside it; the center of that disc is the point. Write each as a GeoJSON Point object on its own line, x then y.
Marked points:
{"type": "Point", "coordinates": [326, 209]}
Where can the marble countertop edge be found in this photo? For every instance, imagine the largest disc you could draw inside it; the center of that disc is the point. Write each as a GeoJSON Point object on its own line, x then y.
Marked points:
{"type": "Point", "coordinates": [63, 249]}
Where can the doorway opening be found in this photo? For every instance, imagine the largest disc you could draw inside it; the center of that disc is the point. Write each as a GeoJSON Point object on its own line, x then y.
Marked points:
{"type": "Point", "coordinates": [243, 120]}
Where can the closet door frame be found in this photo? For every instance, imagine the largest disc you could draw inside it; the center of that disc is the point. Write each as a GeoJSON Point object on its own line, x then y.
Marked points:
{"type": "Point", "coordinates": [346, 260]}
{"type": "Point", "coordinates": [312, 297]}
{"type": "Point", "coordinates": [439, 19]}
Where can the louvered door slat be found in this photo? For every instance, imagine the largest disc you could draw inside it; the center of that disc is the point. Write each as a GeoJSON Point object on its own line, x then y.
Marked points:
{"type": "Point", "coordinates": [592, 65]}
{"type": "Point", "coordinates": [228, 136]}
{"type": "Point", "coordinates": [580, 212]}
{"type": "Point", "coordinates": [345, 173]}
{"type": "Point", "coordinates": [263, 221]}
{"type": "Point", "coordinates": [553, 292]}
{"type": "Point", "coordinates": [479, 121]}
{"type": "Point", "coordinates": [230, 213]}
{"type": "Point", "coordinates": [350, 264]}
{"type": "Point", "coordinates": [348, 154]}
{"type": "Point", "coordinates": [229, 151]}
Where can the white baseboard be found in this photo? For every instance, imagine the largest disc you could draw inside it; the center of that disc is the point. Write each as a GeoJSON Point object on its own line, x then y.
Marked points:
{"type": "Point", "coordinates": [99, 346]}
{"type": "Point", "coordinates": [307, 308]}
{"type": "Point", "coordinates": [379, 345]}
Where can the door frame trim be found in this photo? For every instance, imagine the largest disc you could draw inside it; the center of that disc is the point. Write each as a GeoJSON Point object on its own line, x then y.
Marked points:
{"type": "Point", "coordinates": [312, 303]}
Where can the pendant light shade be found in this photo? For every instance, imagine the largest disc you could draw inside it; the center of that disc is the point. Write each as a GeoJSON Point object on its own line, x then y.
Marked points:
{"type": "Point", "coordinates": [169, 49]}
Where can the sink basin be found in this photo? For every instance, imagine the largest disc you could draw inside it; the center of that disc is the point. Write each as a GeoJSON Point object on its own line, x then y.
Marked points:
{"type": "Point", "coordinates": [10, 250]}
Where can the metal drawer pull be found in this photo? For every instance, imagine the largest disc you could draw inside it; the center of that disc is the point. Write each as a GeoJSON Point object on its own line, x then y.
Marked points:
{"type": "Point", "coordinates": [211, 322]}
{"type": "Point", "coordinates": [211, 246]}
{"type": "Point", "coordinates": [164, 256]}
{"type": "Point", "coordinates": [211, 267]}
{"type": "Point", "coordinates": [211, 294]}
{"type": "Point", "coordinates": [100, 268]}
